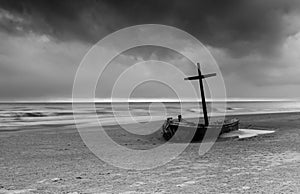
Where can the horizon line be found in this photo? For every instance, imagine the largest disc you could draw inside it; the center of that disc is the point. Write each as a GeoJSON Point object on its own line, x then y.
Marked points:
{"type": "Point", "coordinates": [110, 100]}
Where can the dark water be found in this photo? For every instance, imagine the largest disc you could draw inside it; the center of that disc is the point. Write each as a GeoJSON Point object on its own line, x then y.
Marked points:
{"type": "Point", "coordinates": [16, 115]}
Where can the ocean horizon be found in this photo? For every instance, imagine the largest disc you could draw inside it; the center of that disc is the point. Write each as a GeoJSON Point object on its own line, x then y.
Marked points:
{"type": "Point", "coordinates": [108, 100]}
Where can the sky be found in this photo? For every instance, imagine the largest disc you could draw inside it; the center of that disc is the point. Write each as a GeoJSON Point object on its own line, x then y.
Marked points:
{"type": "Point", "coordinates": [255, 43]}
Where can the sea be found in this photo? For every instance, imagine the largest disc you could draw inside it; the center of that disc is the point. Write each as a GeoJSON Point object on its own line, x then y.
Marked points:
{"type": "Point", "coordinates": [28, 115]}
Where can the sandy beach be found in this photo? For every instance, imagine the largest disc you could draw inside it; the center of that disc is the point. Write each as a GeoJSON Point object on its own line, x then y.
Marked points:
{"type": "Point", "coordinates": [55, 160]}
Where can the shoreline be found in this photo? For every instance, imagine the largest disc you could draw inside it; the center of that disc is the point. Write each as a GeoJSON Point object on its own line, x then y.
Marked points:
{"type": "Point", "coordinates": [193, 118]}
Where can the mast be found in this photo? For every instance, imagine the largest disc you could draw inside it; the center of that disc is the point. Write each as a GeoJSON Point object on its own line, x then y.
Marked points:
{"type": "Point", "coordinates": [200, 77]}
{"type": "Point", "coordinates": [202, 96]}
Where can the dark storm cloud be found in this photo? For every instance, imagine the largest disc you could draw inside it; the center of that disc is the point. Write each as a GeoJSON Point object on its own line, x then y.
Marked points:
{"type": "Point", "coordinates": [239, 26]}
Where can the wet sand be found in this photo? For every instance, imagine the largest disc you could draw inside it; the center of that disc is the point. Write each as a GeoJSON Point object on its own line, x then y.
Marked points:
{"type": "Point", "coordinates": [55, 160]}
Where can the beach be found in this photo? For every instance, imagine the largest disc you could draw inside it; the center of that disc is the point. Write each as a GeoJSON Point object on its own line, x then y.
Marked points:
{"type": "Point", "coordinates": [149, 97]}
{"type": "Point", "coordinates": [54, 159]}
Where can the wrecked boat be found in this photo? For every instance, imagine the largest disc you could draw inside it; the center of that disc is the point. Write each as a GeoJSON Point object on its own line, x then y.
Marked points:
{"type": "Point", "coordinates": [180, 129]}
{"type": "Point", "coordinates": [186, 130]}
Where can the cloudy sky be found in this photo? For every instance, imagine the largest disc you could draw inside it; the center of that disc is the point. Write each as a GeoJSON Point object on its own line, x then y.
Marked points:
{"type": "Point", "coordinates": [255, 43]}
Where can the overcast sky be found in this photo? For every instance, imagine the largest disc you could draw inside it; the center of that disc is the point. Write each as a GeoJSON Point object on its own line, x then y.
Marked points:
{"type": "Point", "coordinates": [256, 43]}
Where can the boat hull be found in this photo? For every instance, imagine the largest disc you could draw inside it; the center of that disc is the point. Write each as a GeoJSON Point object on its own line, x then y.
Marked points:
{"type": "Point", "coordinates": [186, 131]}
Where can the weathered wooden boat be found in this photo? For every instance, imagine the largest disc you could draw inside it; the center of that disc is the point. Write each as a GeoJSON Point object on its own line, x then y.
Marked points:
{"type": "Point", "coordinates": [180, 129]}
{"type": "Point", "coordinates": [186, 131]}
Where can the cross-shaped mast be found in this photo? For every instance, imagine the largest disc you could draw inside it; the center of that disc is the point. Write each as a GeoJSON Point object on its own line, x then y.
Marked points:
{"type": "Point", "coordinates": [200, 77]}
